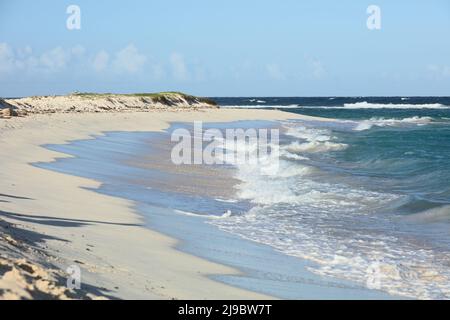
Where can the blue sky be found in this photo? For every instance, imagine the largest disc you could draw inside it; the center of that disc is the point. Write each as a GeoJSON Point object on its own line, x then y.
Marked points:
{"type": "Point", "coordinates": [226, 48]}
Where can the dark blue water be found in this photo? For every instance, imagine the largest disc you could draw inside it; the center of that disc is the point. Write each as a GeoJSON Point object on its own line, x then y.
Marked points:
{"type": "Point", "coordinates": [327, 101]}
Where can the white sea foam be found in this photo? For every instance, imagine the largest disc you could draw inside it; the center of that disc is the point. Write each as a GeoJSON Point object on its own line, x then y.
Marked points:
{"type": "Point", "coordinates": [187, 213]}
{"type": "Point", "coordinates": [226, 200]}
{"type": "Point", "coordinates": [320, 223]}
{"type": "Point", "coordinates": [367, 105]}
{"type": "Point", "coordinates": [309, 134]}
{"type": "Point", "coordinates": [268, 181]}
{"type": "Point", "coordinates": [284, 153]}
{"type": "Point", "coordinates": [312, 140]}
{"type": "Point", "coordinates": [430, 215]}
{"type": "Point", "coordinates": [226, 214]}
{"type": "Point", "coordinates": [259, 106]}
{"type": "Point", "coordinates": [315, 146]}
{"type": "Point", "coordinates": [380, 122]}
{"type": "Point", "coordinates": [333, 224]}
{"type": "Point", "coordinates": [356, 105]}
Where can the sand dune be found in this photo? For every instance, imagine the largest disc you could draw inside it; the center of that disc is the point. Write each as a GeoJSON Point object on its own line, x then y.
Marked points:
{"type": "Point", "coordinates": [88, 102]}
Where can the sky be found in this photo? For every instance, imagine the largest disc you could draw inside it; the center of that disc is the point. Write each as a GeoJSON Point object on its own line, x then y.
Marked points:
{"type": "Point", "coordinates": [226, 48]}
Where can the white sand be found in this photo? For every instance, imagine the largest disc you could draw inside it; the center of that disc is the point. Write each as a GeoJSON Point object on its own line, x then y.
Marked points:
{"type": "Point", "coordinates": [129, 261]}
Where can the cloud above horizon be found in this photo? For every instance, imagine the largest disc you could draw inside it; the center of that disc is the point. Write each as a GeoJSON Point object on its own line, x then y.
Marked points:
{"type": "Point", "coordinates": [275, 71]}
{"type": "Point", "coordinates": [25, 60]}
{"type": "Point", "coordinates": [179, 69]}
{"type": "Point", "coordinates": [129, 60]}
{"type": "Point", "coordinates": [101, 61]}
{"type": "Point", "coordinates": [439, 71]}
{"type": "Point", "coordinates": [125, 61]}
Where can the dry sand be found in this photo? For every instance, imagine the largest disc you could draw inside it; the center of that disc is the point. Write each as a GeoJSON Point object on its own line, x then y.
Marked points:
{"type": "Point", "coordinates": [52, 221]}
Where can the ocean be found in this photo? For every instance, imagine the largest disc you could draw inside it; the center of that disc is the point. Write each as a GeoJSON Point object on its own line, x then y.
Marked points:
{"type": "Point", "coordinates": [367, 193]}
{"type": "Point", "coordinates": [360, 201]}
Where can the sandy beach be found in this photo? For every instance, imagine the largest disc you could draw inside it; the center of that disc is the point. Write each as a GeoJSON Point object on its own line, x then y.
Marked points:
{"type": "Point", "coordinates": [50, 221]}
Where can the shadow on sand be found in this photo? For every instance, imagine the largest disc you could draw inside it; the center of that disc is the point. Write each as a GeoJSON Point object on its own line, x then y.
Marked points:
{"type": "Point", "coordinates": [26, 239]}
{"type": "Point", "coordinates": [60, 222]}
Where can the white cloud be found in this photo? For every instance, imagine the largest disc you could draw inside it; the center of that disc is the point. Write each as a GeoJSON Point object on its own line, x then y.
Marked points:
{"type": "Point", "coordinates": [158, 71]}
{"type": "Point", "coordinates": [78, 51]}
{"type": "Point", "coordinates": [23, 59]}
{"type": "Point", "coordinates": [100, 61]}
{"type": "Point", "coordinates": [318, 69]}
{"type": "Point", "coordinates": [179, 69]}
{"type": "Point", "coordinates": [7, 58]}
{"type": "Point", "coordinates": [315, 67]}
{"type": "Point", "coordinates": [275, 72]}
{"type": "Point", "coordinates": [126, 61]}
{"type": "Point", "coordinates": [439, 71]}
{"type": "Point", "coordinates": [25, 52]}
{"type": "Point", "coordinates": [55, 59]}
{"type": "Point", "coordinates": [129, 60]}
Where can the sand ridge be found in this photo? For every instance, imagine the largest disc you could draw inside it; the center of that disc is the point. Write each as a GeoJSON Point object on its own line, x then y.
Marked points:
{"type": "Point", "coordinates": [97, 103]}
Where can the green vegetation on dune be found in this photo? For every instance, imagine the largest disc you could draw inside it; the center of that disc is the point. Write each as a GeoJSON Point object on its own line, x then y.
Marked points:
{"type": "Point", "coordinates": [150, 95]}
{"type": "Point", "coordinates": [162, 97]}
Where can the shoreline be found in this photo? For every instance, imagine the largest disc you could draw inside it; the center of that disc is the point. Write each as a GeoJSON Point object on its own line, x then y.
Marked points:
{"type": "Point", "coordinates": [74, 218]}
{"type": "Point", "coordinates": [189, 216]}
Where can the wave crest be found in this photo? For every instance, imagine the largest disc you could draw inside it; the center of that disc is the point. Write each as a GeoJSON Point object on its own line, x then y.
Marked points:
{"type": "Point", "coordinates": [367, 105]}
{"type": "Point", "coordinates": [380, 122]}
